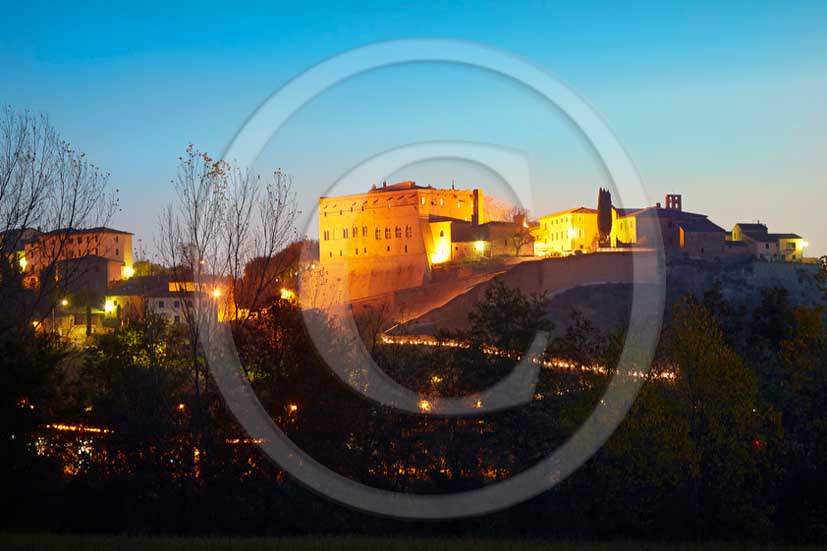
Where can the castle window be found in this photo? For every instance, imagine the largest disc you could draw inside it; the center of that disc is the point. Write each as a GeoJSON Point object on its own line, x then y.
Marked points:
{"type": "Point", "coordinates": [389, 248]}
{"type": "Point", "coordinates": [331, 254]}
{"type": "Point", "coordinates": [387, 233]}
{"type": "Point", "coordinates": [357, 251]}
{"type": "Point", "coordinates": [340, 252]}
{"type": "Point", "coordinates": [423, 200]}
{"type": "Point", "coordinates": [327, 235]}
{"type": "Point", "coordinates": [117, 252]}
{"type": "Point", "coordinates": [365, 250]}
{"type": "Point", "coordinates": [356, 231]}
{"type": "Point", "coordinates": [459, 204]}
{"type": "Point", "coordinates": [406, 249]}
{"type": "Point", "coordinates": [441, 202]}
{"type": "Point", "coordinates": [340, 212]}
{"type": "Point", "coordinates": [442, 233]}
{"type": "Point", "coordinates": [397, 231]}
{"type": "Point", "coordinates": [364, 231]}
{"type": "Point", "coordinates": [408, 231]}
{"type": "Point", "coordinates": [344, 233]}
{"type": "Point", "coordinates": [378, 234]}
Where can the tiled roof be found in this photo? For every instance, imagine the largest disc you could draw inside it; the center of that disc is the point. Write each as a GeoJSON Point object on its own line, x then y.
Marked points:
{"type": "Point", "coordinates": [99, 229]}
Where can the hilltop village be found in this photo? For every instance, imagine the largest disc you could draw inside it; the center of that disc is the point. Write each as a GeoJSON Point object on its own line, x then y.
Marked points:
{"type": "Point", "coordinates": [404, 235]}
{"type": "Point", "coordinates": [430, 243]}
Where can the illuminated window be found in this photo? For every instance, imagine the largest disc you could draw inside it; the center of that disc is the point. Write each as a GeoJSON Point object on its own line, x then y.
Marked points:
{"type": "Point", "coordinates": [423, 200]}
{"type": "Point", "coordinates": [441, 202]}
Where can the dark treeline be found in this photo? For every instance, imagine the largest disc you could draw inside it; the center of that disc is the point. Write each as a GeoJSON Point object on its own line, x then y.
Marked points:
{"type": "Point", "coordinates": [727, 438]}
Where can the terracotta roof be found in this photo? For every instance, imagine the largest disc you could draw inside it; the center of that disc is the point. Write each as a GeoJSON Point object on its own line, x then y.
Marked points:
{"type": "Point", "coordinates": [581, 210]}
{"type": "Point", "coordinates": [98, 229]}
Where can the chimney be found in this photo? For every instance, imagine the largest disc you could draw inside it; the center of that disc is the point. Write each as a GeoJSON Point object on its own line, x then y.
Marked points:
{"type": "Point", "coordinates": [674, 202]}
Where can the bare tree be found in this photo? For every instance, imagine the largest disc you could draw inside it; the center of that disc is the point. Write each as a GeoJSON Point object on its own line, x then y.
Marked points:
{"type": "Point", "coordinates": [45, 186]}
{"type": "Point", "coordinates": [222, 219]}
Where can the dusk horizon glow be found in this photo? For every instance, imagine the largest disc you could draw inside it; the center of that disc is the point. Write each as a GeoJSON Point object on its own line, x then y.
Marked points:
{"type": "Point", "coordinates": [721, 104]}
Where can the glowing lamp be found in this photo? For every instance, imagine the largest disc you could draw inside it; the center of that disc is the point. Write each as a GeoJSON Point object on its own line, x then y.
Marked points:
{"type": "Point", "coordinates": [439, 257]}
{"type": "Point", "coordinates": [287, 294]}
{"type": "Point", "coordinates": [572, 233]}
{"type": "Point", "coordinates": [64, 302]}
{"type": "Point", "coordinates": [425, 405]}
{"type": "Point", "coordinates": [109, 306]}
{"type": "Point", "coordinates": [23, 263]}
{"type": "Point", "coordinates": [216, 292]}
{"type": "Point", "coordinates": [292, 408]}
{"type": "Point", "coordinates": [128, 271]}
{"type": "Point", "coordinates": [479, 246]}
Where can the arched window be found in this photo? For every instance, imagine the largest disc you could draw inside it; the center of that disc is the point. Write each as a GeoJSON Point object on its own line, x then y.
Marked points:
{"type": "Point", "coordinates": [378, 233]}
{"type": "Point", "coordinates": [397, 232]}
{"type": "Point", "coordinates": [344, 233]}
{"type": "Point", "coordinates": [364, 231]}
{"type": "Point", "coordinates": [355, 231]}
{"type": "Point", "coordinates": [408, 231]}
{"type": "Point", "coordinates": [442, 233]}
{"type": "Point", "coordinates": [387, 233]}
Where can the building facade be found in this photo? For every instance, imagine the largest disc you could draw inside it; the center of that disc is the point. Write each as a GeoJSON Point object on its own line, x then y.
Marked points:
{"type": "Point", "coordinates": [772, 247]}
{"type": "Point", "coordinates": [564, 232]}
{"type": "Point", "coordinates": [103, 251]}
{"type": "Point", "coordinates": [390, 237]}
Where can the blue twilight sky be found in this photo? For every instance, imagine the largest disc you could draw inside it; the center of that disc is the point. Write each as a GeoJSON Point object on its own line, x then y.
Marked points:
{"type": "Point", "coordinates": [721, 101]}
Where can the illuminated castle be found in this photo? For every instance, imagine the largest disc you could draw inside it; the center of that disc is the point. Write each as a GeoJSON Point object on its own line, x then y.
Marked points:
{"type": "Point", "coordinates": [393, 236]}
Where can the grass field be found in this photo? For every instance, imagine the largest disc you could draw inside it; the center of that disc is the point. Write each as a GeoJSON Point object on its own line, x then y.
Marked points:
{"type": "Point", "coordinates": [20, 542]}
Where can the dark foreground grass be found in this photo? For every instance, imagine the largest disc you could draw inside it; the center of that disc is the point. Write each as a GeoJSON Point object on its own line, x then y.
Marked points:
{"type": "Point", "coordinates": [21, 542]}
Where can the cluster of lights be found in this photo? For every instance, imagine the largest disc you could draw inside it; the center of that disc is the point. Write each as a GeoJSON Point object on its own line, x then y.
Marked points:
{"type": "Point", "coordinates": [554, 363]}
{"type": "Point", "coordinates": [77, 428]}
{"type": "Point", "coordinates": [238, 441]}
